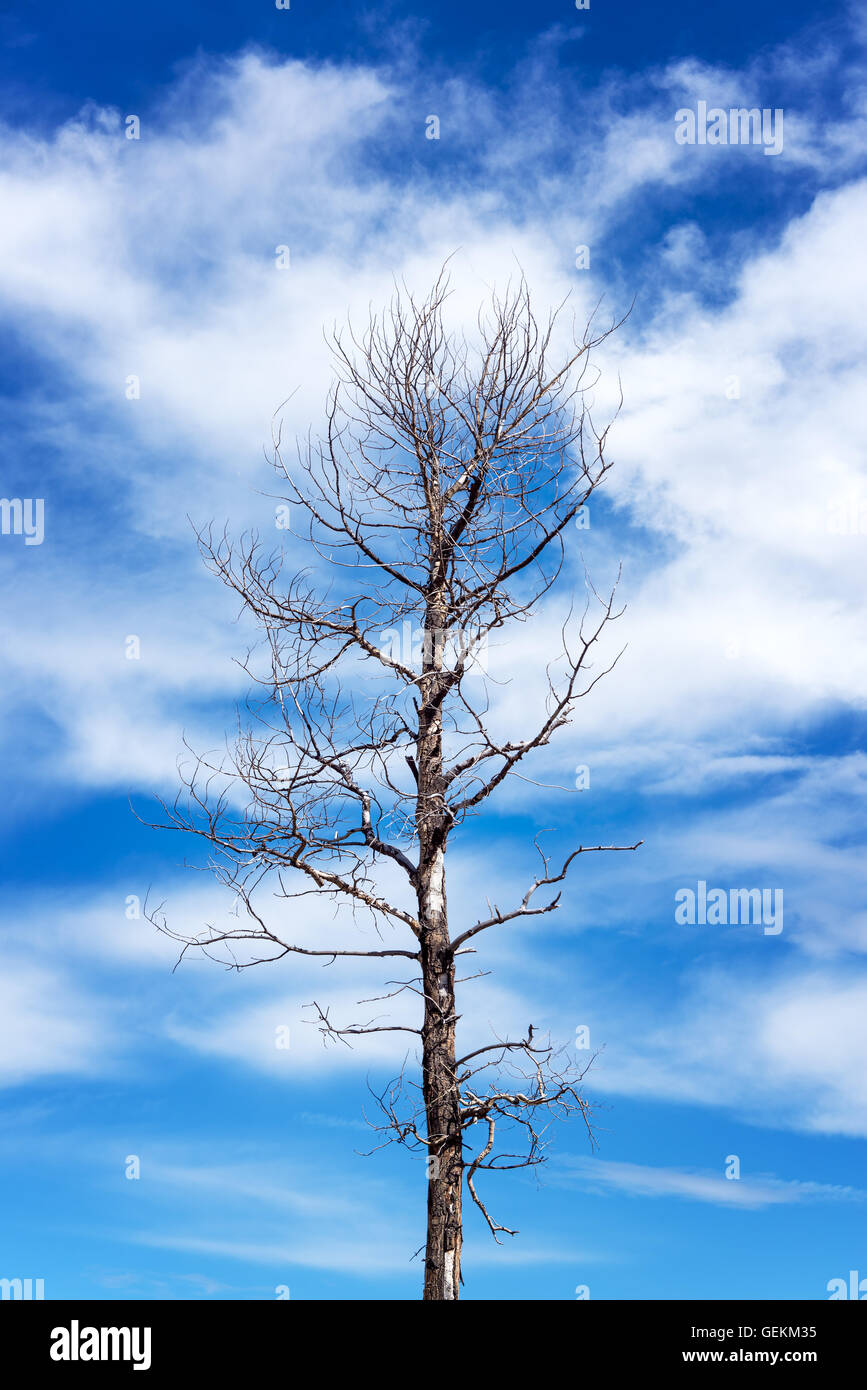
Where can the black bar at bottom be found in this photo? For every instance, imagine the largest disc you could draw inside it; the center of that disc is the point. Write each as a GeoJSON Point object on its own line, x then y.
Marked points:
{"type": "Point", "coordinates": [144, 1338]}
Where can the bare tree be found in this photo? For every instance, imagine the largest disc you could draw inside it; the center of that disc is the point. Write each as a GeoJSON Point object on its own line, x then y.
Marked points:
{"type": "Point", "coordinates": [436, 505]}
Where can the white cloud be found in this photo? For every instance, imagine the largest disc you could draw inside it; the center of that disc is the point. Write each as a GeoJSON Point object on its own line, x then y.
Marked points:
{"type": "Point", "coordinates": [641, 1180]}
{"type": "Point", "coordinates": [783, 1051]}
{"type": "Point", "coordinates": [162, 265]}
{"type": "Point", "coordinates": [373, 1230]}
{"type": "Point", "coordinates": [746, 612]}
{"type": "Point", "coordinates": [49, 1026]}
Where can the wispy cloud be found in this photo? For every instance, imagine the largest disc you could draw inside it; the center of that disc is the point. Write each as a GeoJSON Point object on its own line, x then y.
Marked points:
{"type": "Point", "coordinates": [639, 1180]}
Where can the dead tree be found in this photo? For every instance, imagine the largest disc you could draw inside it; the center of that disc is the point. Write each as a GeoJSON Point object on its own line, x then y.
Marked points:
{"type": "Point", "coordinates": [435, 506]}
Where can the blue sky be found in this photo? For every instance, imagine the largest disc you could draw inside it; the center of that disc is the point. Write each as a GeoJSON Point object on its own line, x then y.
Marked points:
{"type": "Point", "coordinates": [731, 736]}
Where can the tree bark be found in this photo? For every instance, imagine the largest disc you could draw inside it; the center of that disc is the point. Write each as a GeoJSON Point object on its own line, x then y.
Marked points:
{"type": "Point", "coordinates": [442, 1105]}
{"type": "Point", "coordinates": [439, 1078]}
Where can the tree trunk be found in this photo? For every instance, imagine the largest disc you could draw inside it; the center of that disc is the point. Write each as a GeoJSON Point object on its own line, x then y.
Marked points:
{"type": "Point", "coordinates": [442, 1105]}
{"type": "Point", "coordinates": [442, 1102]}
